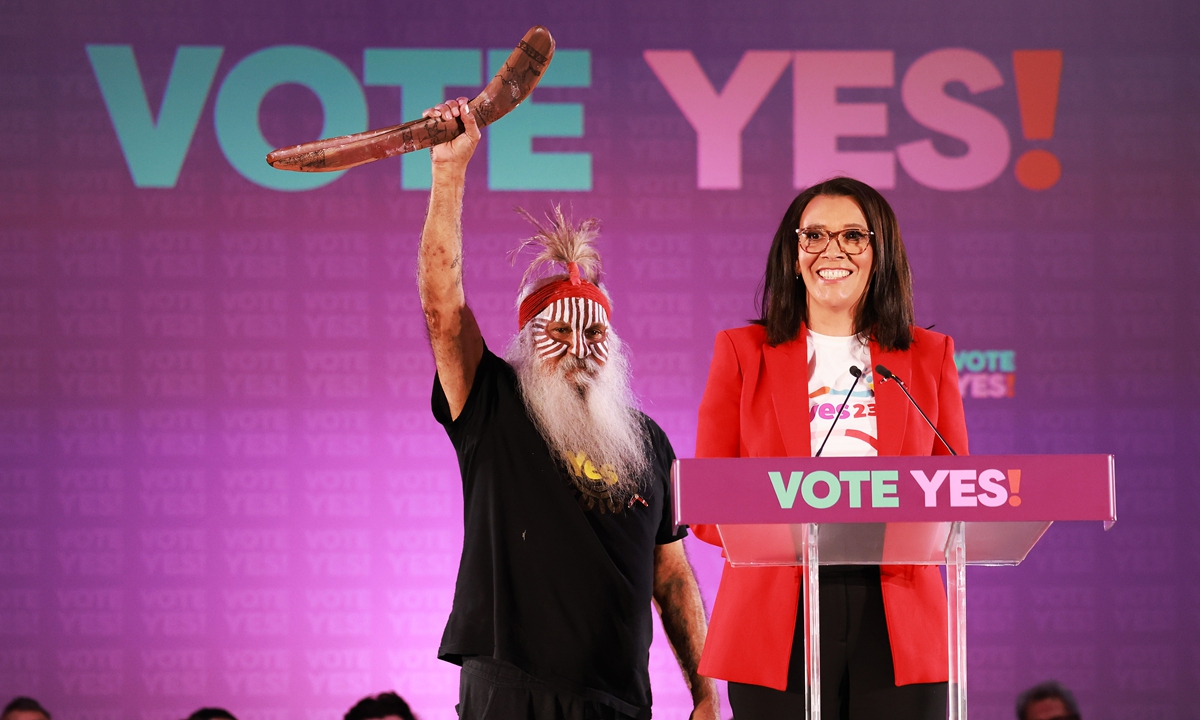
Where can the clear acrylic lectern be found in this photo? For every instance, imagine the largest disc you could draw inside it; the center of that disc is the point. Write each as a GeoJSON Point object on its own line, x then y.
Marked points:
{"type": "Point", "coordinates": [952, 511]}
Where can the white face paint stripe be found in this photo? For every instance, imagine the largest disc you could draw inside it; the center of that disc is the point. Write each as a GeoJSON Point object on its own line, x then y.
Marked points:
{"type": "Point", "coordinates": [545, 345]}
{"type": "Point", "coordinates": [580, 335]}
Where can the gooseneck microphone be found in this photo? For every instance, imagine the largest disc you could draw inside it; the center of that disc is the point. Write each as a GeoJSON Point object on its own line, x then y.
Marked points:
{"type": "Point", "coordinates": [857, 374]}
{"type": "Point", "coordinates": [886, 374]}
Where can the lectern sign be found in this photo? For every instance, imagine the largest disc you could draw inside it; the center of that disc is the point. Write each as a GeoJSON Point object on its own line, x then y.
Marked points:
{"type": "Point", "coordinates": [956, 511]}
{"type": "Point", "coordinates": [980, 488]}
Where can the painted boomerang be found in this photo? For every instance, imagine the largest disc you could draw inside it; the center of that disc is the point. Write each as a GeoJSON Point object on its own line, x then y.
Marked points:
{"type": "Point", "coordinates": [516, 79]}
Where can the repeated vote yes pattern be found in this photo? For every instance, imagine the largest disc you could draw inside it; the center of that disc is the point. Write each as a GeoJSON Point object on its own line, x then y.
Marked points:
{"type": "Point", "coordinates": [220, 480]}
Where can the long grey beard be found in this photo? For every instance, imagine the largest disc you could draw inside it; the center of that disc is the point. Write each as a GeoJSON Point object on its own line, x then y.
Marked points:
{"type": "Point", "coordinates": [588, 417]}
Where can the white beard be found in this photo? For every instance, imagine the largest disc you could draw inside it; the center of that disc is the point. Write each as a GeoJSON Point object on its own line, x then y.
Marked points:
{"type": "Point", "coordinates": [593, 412]}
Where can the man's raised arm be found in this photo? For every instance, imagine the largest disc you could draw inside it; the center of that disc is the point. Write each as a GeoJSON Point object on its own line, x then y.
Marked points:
{"type": "Point", "coordinates": [453, 333]}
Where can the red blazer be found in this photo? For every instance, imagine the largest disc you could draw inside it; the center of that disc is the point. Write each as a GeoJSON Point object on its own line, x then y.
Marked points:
{"type": "Point", "coordinates": [755, 406]}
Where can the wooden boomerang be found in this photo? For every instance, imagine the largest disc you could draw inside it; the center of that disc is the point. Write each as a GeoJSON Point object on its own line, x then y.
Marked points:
{"type": "Point", "coordinates": [516, 79]}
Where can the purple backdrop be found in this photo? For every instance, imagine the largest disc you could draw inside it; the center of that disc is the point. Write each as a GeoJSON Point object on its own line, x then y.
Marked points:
{"type": "Point", "coordinates": [220, 482]}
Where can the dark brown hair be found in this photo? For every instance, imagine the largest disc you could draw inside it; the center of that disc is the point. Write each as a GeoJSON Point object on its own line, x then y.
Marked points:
{"type": "Point", "coordinates": [885, 313]}
{"type": "Point", "coordinates": [27, 704]}
{"type": "Point", "coordinates": [211, 713]}
{"type": "Point", "coordinates": [381, 706]}
{"type": "Point", "coordinates": [1051, 689]}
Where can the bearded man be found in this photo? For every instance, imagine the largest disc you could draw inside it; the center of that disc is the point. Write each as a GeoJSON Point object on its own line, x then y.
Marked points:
{"type": "Point", "coordinates": [567, 526]}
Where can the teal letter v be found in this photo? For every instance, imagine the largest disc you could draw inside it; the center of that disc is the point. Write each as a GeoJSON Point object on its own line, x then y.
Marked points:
{"type": "Point", "coordinates": [787, 496]}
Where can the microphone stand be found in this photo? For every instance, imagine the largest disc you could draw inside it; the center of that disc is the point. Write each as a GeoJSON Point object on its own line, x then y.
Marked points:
{"type": "Point", "coordinates": [857, 374]}
{"type": "Point", "coordinates": [888, 375]}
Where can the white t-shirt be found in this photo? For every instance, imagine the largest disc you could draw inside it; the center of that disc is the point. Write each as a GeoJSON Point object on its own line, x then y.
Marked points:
{"type": "Point", "coordinates": [829, 359]}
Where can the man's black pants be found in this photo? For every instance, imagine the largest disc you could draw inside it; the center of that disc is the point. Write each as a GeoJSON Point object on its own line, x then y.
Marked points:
{"type": "Point", "coordinates": [489, 689]}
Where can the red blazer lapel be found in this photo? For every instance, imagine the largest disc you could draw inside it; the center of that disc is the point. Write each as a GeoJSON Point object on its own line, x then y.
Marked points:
{"type": "Point", "coordinates": [891, 407]}
{"type": "Point", "coordinates": [787, 381]}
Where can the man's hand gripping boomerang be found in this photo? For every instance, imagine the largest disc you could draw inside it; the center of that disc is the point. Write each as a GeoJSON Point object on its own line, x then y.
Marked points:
{"type": "Point", "coordinates": [516, 79]}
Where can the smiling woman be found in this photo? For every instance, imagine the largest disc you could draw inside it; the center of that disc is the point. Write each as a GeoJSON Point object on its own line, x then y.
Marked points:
{"type": "Point", "coordinates": [834, 262]}
{"type": "Point", "coordinates": [877, 301]}
{"type": "Point", "coordinates": [836, 300]}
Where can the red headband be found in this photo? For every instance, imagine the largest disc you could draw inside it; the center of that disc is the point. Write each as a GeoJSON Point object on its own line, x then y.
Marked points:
{"type": "Point", "coordinates": [573, 286]}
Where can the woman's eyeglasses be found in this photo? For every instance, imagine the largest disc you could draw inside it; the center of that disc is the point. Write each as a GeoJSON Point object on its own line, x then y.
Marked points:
{"type": "Point", "coordinates": [852, 241]}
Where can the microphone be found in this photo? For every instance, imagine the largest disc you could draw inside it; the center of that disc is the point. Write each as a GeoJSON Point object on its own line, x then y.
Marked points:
{"type": "Point", "coordinates": [889, 375]}
{"type": "Point", "coordinates": [857, 374]}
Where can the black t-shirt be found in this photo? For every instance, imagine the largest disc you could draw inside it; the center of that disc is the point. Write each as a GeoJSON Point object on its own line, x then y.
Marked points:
{"type": "Point", "coordinates": [557, 589]}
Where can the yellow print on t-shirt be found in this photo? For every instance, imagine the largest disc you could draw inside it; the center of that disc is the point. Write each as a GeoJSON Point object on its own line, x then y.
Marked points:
{"type": "Point", "coordinates": [595, 484]}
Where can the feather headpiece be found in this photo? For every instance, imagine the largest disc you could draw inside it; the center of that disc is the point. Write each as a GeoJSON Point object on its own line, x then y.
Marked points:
{"type": "Point", "coordinates": [561, 243]}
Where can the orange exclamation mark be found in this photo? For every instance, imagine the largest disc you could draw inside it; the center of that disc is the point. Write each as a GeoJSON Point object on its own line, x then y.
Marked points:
{"type": "Point", "coordinates": [1014, 487]}
{"type": "Point", "coordinates": [1037, 74]}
